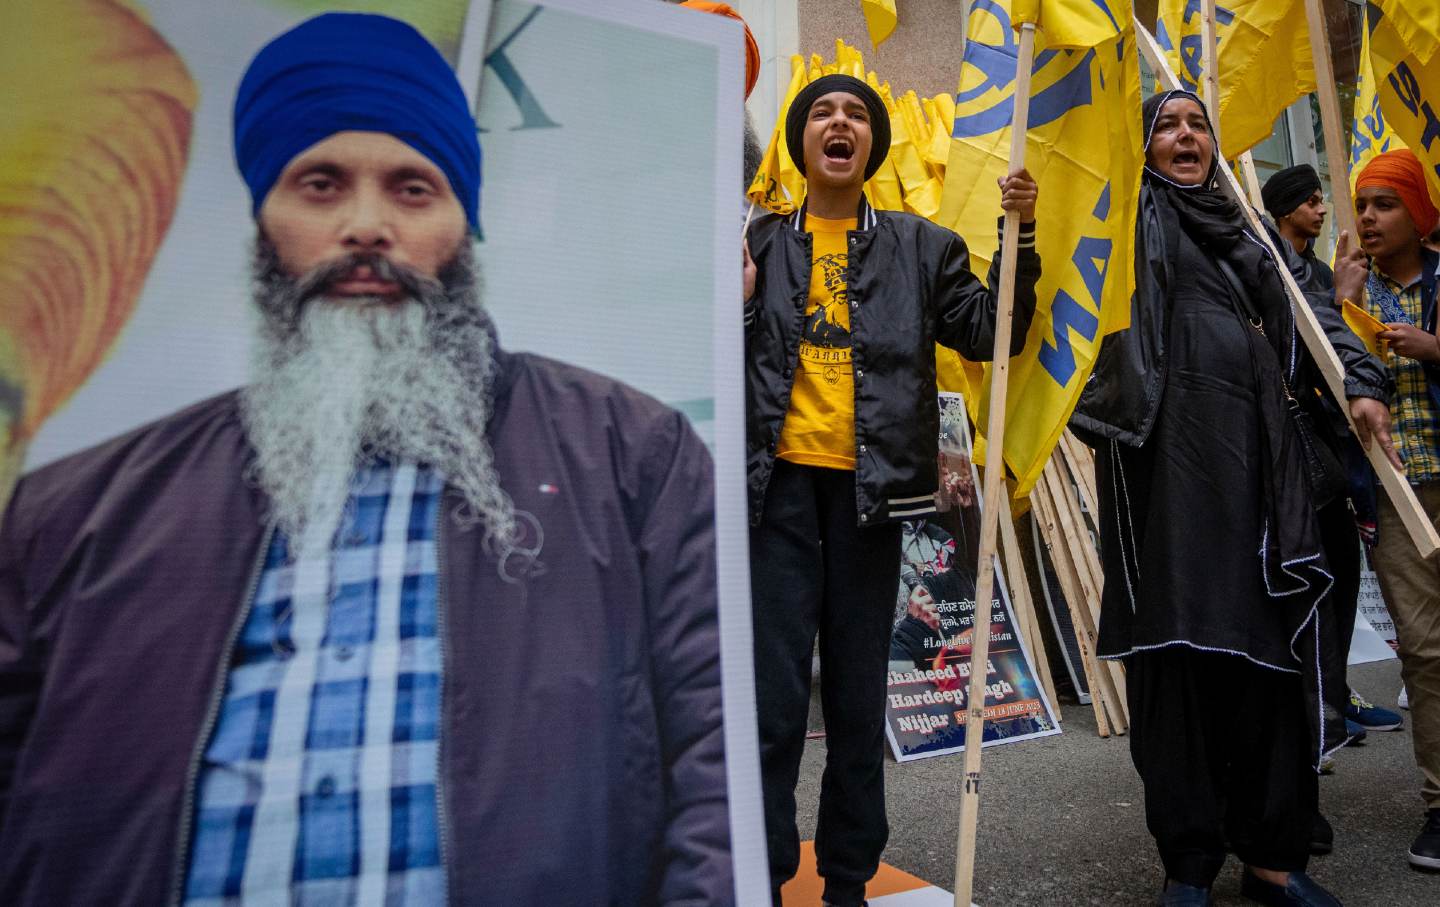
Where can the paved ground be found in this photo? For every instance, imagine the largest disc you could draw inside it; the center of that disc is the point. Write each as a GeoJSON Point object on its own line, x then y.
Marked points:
{"type": "Point", "coordinates": [1062, 818]}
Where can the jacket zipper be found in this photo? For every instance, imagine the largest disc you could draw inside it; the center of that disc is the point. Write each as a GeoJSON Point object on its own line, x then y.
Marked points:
{"type": "Point", "coordinates": [443, 830]}
{"type": "Point", "coordinates": [212, 711]}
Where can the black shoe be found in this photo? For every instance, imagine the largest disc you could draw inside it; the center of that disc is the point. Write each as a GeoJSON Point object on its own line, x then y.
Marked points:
{"type": "Point", "coordinates": [1322, 836]}
{"type": "Point", "coordinates": [1178, 894]}
{"type": "Point", "coordinates": [1300, 891]}
{"type": "Point", "coordinates": [1425, 850]}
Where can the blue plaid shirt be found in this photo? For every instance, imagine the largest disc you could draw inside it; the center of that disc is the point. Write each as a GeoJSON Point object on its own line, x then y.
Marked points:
{"type": "Point", "coordinates": [319, 783]}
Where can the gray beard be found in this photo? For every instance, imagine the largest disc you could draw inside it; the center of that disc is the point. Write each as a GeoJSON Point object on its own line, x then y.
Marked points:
{"type": "Point", "coordinates": [754, 153]}
{"type": "Point", "coordinates": [337, 384]}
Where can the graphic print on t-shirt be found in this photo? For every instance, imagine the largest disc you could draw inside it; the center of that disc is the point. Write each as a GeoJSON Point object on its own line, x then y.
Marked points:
{"type": "Point", "coordinates": [819, 429]}
{"type": "Point", "coordinates": [825, 345]}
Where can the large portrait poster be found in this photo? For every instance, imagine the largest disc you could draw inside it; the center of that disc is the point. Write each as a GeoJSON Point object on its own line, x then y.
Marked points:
{"type": "Point", "coordinates": [934, 623]}
{"type": "Point", "coordinates": [611, 136]}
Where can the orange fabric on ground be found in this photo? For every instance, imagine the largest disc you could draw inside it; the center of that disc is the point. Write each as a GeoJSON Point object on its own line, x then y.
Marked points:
{"type": "Point", "coordinates": [805, 889]}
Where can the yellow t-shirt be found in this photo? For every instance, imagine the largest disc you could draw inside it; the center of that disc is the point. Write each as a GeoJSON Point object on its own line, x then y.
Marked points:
{"type": "Point", "coordinates": [819, 428]}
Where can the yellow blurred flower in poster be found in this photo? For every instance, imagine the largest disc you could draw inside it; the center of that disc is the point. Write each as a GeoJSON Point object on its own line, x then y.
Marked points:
{"type": "Point", "coordinates": [93, 145]}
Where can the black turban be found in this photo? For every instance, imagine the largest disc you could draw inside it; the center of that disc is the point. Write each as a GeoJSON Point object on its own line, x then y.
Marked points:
{"type": "Point", "coordinates": [1289, 189]}
{"type": "Point", "coordinates": [800, 112]}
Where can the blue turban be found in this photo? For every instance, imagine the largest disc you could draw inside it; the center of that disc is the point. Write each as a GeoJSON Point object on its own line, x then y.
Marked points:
{"type": "Point", "coordinates": [349, 71]}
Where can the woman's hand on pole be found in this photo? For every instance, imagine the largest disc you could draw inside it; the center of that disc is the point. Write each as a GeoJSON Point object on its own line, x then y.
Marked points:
{"type": "Point", "coordinates": [1372, 423]}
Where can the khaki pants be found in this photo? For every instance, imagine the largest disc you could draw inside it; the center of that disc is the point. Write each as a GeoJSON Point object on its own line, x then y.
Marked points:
{"type": "Point", "coordinates": [1411, 588]}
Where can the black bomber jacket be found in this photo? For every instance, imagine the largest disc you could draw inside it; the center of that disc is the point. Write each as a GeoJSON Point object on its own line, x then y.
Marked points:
{"type": "Point", "coordinates": [910, 287]}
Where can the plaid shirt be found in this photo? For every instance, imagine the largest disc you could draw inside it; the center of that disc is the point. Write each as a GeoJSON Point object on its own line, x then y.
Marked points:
{"type": "Point", "coordinates": [319, 783]}
{"type": "Point", "coordinates": [1414, 415]}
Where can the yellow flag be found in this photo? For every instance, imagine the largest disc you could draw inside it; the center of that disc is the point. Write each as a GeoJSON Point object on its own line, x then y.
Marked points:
{"type": "Point", "coordinates": [1416, 22]}
{"type": "Point", "coordinates": [1365, 326]}
{"type": "Point", "coordinates": [1084, 149]}
{"type": "Point", "coordinates": [1371, 134]}
{"type": "Point", "coordinates": [848, 61]}
{"type": "Point", "coordinates": [938, 152]}
{"type": "Point", "coordinates": [1408, 92]}
{"type": "Point", "coordinates": [778, 186]}
{"type": "Point", "coordinates": [879, 19]}
{"type": "Point", "coordinates": [1070, 23]}
{"type": "Point", "coordinates": [921, 191]}
{"type": "Point", "coordinates": [884, 189]}
{"type": "Point", "coordinates": [1263, 61]}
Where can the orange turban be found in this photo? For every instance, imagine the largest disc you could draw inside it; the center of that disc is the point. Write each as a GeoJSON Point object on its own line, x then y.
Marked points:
{"type": "Point", "coordinates": [1401, 170]}
{"type": "Point", "coordinates": [752, 50]}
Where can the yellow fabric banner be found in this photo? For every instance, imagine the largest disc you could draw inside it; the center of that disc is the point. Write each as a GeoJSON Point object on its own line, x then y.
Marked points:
{"type": "Point", "coordinates": [1264, 62]}
{"type": "Point", "coordinates": [906, 180]}
{"type": "Point", "coordinates": [1084, 149]}
{"type": "Point", "coordinates": [880, 18]}
{"type": "Point", "coordinates": [1069, 23]}
{"type": "Point", "coordinates": [1371, 134]}
{"type": "Point", "coordinates": [1409, 93]}
{"type": "Point", "coordinates": [778, 186]}
{"type": "Point", "coordinates": [1417, 22]}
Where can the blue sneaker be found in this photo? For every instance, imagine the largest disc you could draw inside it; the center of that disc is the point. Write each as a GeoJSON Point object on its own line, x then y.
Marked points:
{"type": "Point", "coordinates": [1354, 733]}
{"type": "Point", "coordinates": [1371, 717]}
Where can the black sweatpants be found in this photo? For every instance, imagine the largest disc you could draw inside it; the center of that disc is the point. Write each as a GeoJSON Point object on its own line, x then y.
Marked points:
{"type": "Point", "coordinates": [1224, 750]}
{"type": "Point", "coordinates": [812, 569]}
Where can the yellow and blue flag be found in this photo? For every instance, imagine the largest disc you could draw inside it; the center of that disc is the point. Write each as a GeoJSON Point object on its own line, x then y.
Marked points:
{"type": "Point", "coordinates": [1070, 23]}
{"type": "Point", "coordinates": [1262, 57]}
{"type": "Point", "coordinates": [1416, 23]}
{"type": "Point", "coordinates": [1371, 135]}
{"type": "Point", "coordinates": [1408, 92]}
{"type": "Point", "coordinates": [1084, 149]}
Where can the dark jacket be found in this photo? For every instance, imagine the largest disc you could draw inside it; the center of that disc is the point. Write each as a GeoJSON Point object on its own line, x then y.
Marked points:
{"type": "Point", "coordinates": [582, 757]}
{"type": "Point", "coordinates": [910, 286]}
{"type": "Point", "coordinates": [1122, 396]}
{"type": "Point", "coordinates": [1311, 274]}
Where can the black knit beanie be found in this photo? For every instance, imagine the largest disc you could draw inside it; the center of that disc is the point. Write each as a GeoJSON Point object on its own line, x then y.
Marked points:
{"type": "Point", "coordinates": [800, 113]}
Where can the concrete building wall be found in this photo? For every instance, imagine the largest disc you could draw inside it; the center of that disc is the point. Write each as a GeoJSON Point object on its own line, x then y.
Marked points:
{"type": "Point", "coordinates": [922, 54]}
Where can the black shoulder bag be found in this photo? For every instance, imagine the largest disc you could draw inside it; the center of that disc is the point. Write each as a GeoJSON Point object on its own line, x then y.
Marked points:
{"type": "Point", "coordinates": [1327, 474]}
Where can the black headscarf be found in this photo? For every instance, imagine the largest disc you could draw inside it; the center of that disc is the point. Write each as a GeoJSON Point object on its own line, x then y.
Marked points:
{"type": "Point", "coordinates": [1215, 222]}
{"type": "Point", "coordinates": [1210, 216]}
{"type": "Point", "coordinates": [799, 113]}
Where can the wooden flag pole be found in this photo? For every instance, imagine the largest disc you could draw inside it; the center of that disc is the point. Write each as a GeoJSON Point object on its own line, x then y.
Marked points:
{"type": "Point", "coordinates": [995, 496]}
{"type": "Point", "coordinates": [1252, 180]}
{"type": "Point", "coordinates": [1210, 67]}
{"type": "Point", "coordinates": [1210, 61]}
{"type": "Point", "coordinates": [1024, 608]}
{"type": "Point", "coordinates": [1337, 144]}
{"type": "Point", "coordinates": [1083, 471]}
{"type": "Point", "coordinates": [1422, 532]}
{"type": "Point", "coordinates": [1070, 589]}
{"type": "Point", "coordinates": [1081, 554]}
